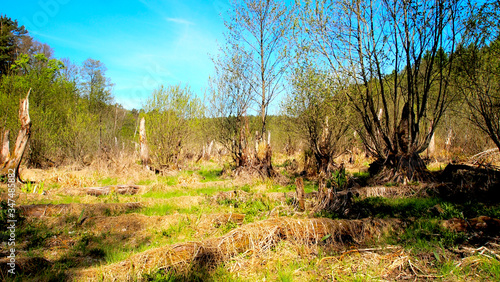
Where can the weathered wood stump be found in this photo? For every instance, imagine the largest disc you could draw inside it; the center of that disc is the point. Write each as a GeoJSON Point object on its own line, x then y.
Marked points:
{"type": "Point", "coordinates": [299, 189]}
{"type": "Point", "coordinates": [9, 163]}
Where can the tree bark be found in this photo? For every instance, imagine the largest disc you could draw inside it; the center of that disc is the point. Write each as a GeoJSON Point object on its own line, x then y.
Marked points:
{"type": "Point", "coordinates": [144, 152]}
{"type": "Point", "coordinates": [299, 188]}
{"type": "Point", "coordinates": [4, 153]}
{"type": "Point", "coordinates": [11, 162]}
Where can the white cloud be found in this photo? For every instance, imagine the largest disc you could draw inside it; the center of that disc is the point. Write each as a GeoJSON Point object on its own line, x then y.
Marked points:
{"type": "Point", "coordinates": [180, 21]}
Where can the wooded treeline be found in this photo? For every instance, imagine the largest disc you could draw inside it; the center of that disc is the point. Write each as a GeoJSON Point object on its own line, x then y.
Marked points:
{"type": "Point", "coordinates": [388, 77]}
{"type": "Point", "coordinates": [71, 105]}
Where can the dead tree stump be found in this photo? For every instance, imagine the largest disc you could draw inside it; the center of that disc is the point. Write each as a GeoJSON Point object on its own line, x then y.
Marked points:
{"type": "Point", "coordinates": [299, 189]}
{"type": "Point", "coordinates": [9, 163]}
{"type": "Point", "coordinates": [144, 152]}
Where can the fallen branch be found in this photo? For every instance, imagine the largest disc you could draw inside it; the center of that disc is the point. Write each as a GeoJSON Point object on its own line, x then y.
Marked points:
{"type": "Point", "coordinates": [484, 153]}
{"type": "Point", "coordinates": [118, 189]}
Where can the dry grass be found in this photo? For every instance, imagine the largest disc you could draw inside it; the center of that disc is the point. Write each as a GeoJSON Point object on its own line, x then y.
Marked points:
{"type": "Point", "coordinates": [204, 232]}
{"type": "Point", "coordinates": [403, 191]}
{"type": "Point", "coordinates": [78, 209]}
{"type": "Point", "coordinates": [256, 237]}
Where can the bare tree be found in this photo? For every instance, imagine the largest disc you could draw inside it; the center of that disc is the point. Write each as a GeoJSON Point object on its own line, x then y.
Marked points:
{"type": "Point", "coordinates": [397, 57]}
{"type": "Point", "coordinates": [230, 101]}
{"type": "Point", "coordinates": [318, 107]}
{"type": "Point", "coordinates": [258, 29]}
{"type": "Point", "coordinates": [478, 72]}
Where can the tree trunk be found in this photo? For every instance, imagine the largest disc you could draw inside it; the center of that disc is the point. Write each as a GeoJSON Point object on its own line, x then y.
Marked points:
{"type": "Point", "coordinates": [399, 168]}
{"type": "Point", "coordinates": [4, 152]}
{"type": "Point", "coordinates": [330, 200]}
{"type": "Point", "coordinates": [263, 160]}
{"type": "Point", "coordinates": [10, 162]}
{"type": "Point", "coordinates": [403, 163]}
{"type": "Point", "coordinates": [299, 188]}
{"type": "Point", "coordinates": [144, 152]}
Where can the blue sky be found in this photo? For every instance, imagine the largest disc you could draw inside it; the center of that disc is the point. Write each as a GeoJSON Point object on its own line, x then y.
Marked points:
{"type": "Point", "coordinates": [142, 43]}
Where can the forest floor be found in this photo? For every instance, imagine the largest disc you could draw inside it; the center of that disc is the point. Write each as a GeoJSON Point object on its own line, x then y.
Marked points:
{"type": "Point", "coordinates": [199, 225]}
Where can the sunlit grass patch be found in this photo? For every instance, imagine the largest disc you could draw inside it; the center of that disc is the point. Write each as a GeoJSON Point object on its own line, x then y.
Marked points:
{"type": "Point", "coordinates": [108, 181]}
{"type": "Point", "coordinates": [169, 180]}
{"type": "Point", "coordinates": [210, 175]}
{"type": "Point", "coordinates": [159, 209]}
{"type": "Point", "coordinates": [426, 235]}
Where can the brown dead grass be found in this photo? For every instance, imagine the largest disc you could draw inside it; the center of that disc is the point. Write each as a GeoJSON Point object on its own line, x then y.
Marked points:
{"type": "Point", "coordinates": [256, 237]}
{"type": "Point", "coordinates": [402, 191]}
{"type": "Point", "coordinates": [47, 210]}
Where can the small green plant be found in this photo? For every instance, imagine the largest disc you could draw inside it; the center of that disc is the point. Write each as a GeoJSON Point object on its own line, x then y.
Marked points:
{"type": "Point", "coordinates": [27, 188]}
{"type": "Point", "coordinates": [230, 225]}
{"type": "Point", "coordinates": [30, 187]}
{"type": "Point", "coordinates": [451, 211]}
{"type": "Point", "coordinates": [80, 217]}
{"type": "Point", "coordinates": [338, 180]}
{"type": "Point", "coordinates": [246, 188]}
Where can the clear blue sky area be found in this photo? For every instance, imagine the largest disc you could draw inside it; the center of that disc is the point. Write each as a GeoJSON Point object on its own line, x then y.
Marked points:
{"type": "Point", "coordinates": [142, 43]}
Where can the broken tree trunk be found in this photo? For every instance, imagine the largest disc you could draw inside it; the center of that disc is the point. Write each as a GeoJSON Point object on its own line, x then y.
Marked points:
{"type": "Point", "coordinates": [329, 199]}
{"type": "Point", "coordinates": [144, 152]}
{"type": "Point", "coordinates": [10, 162]}
{"type": "Point", "coordinates": [4, 153]}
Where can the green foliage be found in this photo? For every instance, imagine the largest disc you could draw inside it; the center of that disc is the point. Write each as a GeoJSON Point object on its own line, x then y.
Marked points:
{"type": "Point", "coordinates": [228, 226]}
{"type": "Point", "coordinates": [427, 234]}
{"type": "Point", "coordinates": [338, 180]}
{"type": "Point", "coordinates": [318, 113]}
{"type": "Point", "coordinates": [30, 187]}
{"type": "Point", "coordinates": [108, 181]}
{"type": "Point", "coordinates": [478, 81]}
{"type": "Point", "coordinates": [11, 35]}
{"type": "Point", "coordinates": [170, 114]}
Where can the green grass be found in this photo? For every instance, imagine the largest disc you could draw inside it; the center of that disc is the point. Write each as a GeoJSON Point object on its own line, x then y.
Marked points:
{"type": "Point", "coordinates": [159, 209]}
{"type": "Point", "coordinates": [169, 180]}
{"type": "Point", "coordinates": [309, 186]}
{"type": "Point", "coordinates": [145, 182]}
{"type": "Point", "coordinates": [158, 193]}
{"type": "Point", "coordinates": [210, 175]}
{"type": "Point", "coordinates": [254, 209]}
{"type": "Point", "coordinates": [426, 235]}
{"type": "Point", "coordinates": [108, 181]}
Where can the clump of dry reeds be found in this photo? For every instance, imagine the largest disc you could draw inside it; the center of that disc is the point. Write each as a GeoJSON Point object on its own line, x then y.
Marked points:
{"type": "Point", "coordinates": [258, 237]}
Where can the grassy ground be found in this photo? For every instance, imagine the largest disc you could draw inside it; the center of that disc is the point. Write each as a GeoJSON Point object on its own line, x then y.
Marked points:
{"type": "Point", "coordinates": [69, 232]}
